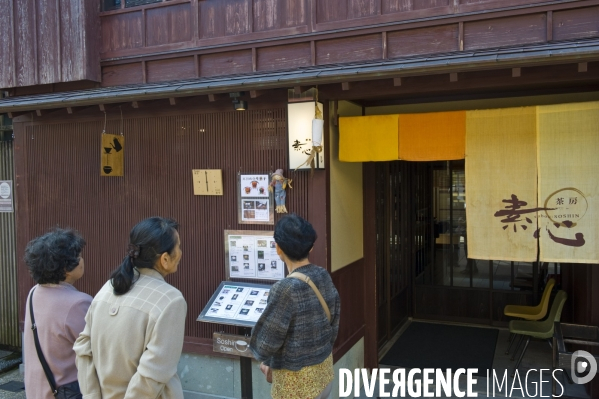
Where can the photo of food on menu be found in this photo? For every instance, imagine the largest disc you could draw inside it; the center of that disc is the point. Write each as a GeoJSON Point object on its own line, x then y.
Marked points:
{"type": "Point", "coordinates": [239, 303]}
{"type": "Point", "coordinates": [254, 256]}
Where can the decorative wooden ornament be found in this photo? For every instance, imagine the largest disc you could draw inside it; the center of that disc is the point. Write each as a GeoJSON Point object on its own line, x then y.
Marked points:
{"type": "Point", "coordinates": [112, 159]}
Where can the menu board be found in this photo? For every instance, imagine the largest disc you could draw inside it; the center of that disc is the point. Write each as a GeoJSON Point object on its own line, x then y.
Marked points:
{"type": "Point", "coordinates": [255, 201]}
{"type": "Point", "coordinates": [252, 255]}
{"type": "Point", "coordinates": [255, 185]}
{"type": "Point", "coordinates": [239, 304]}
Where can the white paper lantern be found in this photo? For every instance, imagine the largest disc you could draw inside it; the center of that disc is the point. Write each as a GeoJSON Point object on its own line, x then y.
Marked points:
{"type": "Point", "coordinates": [304, 132]}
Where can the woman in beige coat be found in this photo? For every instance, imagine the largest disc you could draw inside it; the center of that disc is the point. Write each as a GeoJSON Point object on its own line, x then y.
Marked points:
{"type": "Point", "coordinates": [133, 338]}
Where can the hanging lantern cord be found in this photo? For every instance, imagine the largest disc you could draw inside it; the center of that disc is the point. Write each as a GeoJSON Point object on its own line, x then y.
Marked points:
{"type": "Point", "coordinates": [104, 130]}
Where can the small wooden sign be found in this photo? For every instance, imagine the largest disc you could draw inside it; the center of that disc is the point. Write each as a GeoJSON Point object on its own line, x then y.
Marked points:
{"type": "Point", "coordinates": [207, 182]}
{"type": "Point", "coordinates": [231, 344]}
{"type": "Point", "coordinates": [112, 158]}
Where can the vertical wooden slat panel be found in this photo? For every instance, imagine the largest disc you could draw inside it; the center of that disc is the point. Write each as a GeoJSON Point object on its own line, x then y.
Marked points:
{"type": "Point", "coordinates": [167, 25]}
{"type": "Point", "coordinates": [363, 8]}
{"type": "Point", "coordinates": [210, 15]}
{"type": "Point", "coordinates": [331, 10]}
{"type": "Point", "coordinates": [71, 40]}
{"type": "Point", "coordinates": [9, 311]}
{"type": "Point", "coordinates": [63, 160]}
{"type": "Point", "coordinates": [266, 15]}
{"type": "Point", "coordinates": [122, 31]}
{"type": "Point", "coordinates": [237, 19]}
{"type": "Point", "coordinates": [295, 13]}
{"type": "Point", "coordinates": [25, 37]}
{"type": "Point", "coordinates": [392, 6]}
{"type": "Point", "coordinates": [48, 53]}
{"type": "Point", "coordinates": [7, 46]}
{"type": "Point", "coordinates": [424, 4]}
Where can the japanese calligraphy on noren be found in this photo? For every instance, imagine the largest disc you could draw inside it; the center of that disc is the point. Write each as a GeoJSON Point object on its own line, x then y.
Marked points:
{"type": "Point", "coordinates": [514, 210]}
{"type": "Point", "coordinates": [564, 208]}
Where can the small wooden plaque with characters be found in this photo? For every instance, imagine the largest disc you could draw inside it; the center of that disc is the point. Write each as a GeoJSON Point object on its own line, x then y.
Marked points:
{"type": "Point", "coordinates": [207, 182]}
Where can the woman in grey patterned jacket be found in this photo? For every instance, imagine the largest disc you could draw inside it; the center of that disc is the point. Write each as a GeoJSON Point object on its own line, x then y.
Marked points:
{"type": "Point", "coordinates": [293, 337]}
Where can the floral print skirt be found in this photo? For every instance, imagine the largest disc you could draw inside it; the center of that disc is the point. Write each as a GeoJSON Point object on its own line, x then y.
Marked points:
{"type": "Point", "coordinates": [306, 383]}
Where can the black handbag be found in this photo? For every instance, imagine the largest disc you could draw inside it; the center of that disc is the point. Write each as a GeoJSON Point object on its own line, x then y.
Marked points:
{"type": "Point", "coordinates": [67, 391]}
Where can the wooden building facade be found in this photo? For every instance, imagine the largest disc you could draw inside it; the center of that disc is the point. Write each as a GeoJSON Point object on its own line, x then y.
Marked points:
{"type": "Point", "coordinates": [161, 72]}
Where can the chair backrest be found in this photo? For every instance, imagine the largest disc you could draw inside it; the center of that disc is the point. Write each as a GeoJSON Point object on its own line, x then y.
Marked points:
{"type": "Point", "coordinates": [544, 304]}
{"type": "Point", "coordinates": [556, 311]}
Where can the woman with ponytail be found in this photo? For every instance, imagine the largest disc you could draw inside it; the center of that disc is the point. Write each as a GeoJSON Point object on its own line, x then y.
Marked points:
{"type": "Point", "coordinates": [133, 338]}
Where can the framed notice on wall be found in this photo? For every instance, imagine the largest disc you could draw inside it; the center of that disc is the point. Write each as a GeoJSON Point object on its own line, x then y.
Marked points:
{"type": "Point", "coordinates": [237, 304]}
{"type": "Point", "coordinates": [255, 201]}
{"type": "Point", "coordinates": [6, 196]}
{"type": "Point", "coordinates": [252, 255]}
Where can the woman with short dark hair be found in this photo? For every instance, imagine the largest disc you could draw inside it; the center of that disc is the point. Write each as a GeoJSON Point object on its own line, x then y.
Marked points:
{"type": "Point", "coordinates": [133, 338]}
{"type": "Point", "coordinates": [55, 263]}
{"type": "Point", "coordinates": [294, 337]}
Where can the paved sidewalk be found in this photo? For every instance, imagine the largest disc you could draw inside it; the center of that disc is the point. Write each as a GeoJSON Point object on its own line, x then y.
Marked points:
{"type": "Point", "coordinates": [15, 377]}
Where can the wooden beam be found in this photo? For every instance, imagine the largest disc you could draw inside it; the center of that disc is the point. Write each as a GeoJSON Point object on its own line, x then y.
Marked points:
{"type": "Point", "coordinates": [345, 86]}
{"type": "Point", "coordinates": [549, 26]}
{"type": "Point", "coordinates": [106, 107]}
{"type": "Point", "coordinates": [13, 115]}
{"type": "Point", "coordinates": [217, 97]}
{"type": "Point", "coordinates": [453, 77]}
{"type": "Point", "coordinates": [384, 44]}
{"type": "Point", "coordinates": [172, 101]}
{"type": "Point", "coordinates": [583, 67]}
{"type": "Point", "coordinates": [335, 115]}
{"type": "Point", "coordinates": [461, 36]}
{"type": "Point", "coordinates": [396, 81]}
{"type": "Point", "coordinates": [74, 110]}
{"type": "Point", "coordinates": [516, 72]}
{"type": "Point", "coordinates": [256, 93]}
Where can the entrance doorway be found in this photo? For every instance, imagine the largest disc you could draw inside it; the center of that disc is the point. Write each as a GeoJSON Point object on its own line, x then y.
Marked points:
{"type": "Point", "coordinates": [423, 269]}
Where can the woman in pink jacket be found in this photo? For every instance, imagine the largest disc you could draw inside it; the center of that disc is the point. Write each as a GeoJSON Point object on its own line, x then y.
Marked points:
{"type": "Point", "coordinates": [55, 263]}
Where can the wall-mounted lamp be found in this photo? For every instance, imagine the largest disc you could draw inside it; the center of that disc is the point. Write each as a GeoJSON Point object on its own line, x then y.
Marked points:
{"type": "Point", "coordinates": [239, 105]}
{"type": "Point", "coordinates": [305, 131]}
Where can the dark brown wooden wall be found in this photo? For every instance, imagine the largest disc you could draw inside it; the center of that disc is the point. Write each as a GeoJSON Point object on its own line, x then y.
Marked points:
{"type": "Point", "coordinates": [57, 159]}
{"type": "Point", "coordinates": [48, 41]}
{"type": "Point", "coordinates": [58, 183]}
{"type": "Point", "coordinates": [185, 39]}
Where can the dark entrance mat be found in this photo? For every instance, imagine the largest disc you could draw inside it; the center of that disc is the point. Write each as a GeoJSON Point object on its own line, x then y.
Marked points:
{"type": "Point", "coordinates": [428, 345]}
{"type": "Point", "coordinates": [13, 386]}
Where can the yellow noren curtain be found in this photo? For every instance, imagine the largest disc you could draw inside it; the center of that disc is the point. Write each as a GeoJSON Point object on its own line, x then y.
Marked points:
{"type": "Point", "coordinates": [501, 166]}
{"type": "Point", "coordinates": [437, 136]}
{"type": "Point", "coordinates": [568, 161]}
{"type": "Point", "coordinates": [368, 138]}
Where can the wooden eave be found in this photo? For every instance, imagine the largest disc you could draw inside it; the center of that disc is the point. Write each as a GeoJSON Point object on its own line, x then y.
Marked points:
{"type": "Point", "coordinates": [449, 63]}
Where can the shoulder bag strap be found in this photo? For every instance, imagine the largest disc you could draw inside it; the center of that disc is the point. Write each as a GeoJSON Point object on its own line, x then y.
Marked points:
{"type": "Point", "coordinates": [306, 279]}
{"type": "Point", "coordinates": [38, 348]}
